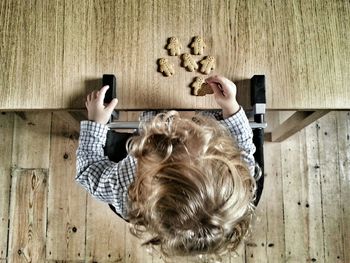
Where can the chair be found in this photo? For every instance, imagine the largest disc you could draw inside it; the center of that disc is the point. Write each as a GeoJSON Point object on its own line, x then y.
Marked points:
{"type": "Point", "coordinates": [115, 144]}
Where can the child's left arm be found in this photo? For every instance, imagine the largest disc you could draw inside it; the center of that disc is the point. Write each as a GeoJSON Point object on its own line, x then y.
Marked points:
{"type": "Point", "coordinates": [233, 117]}
{"type": "Point", "coordinates": [238, 126]}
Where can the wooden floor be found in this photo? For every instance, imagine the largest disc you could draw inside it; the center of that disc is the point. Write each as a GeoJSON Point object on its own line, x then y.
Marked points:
{"type": "Point", "coordinates": [46, 217]}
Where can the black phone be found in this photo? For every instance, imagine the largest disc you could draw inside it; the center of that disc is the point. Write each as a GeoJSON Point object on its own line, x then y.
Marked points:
{"type": "Point", "coordinates": [111, 81]}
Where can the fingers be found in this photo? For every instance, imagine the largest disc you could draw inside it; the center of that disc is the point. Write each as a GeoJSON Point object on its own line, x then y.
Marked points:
{"type": "Point", "coordinates": [93, 95]}
{"type": "Point", "coordinates": [219, 79]}
{"type": "Point", "coordinates": [97, 94]}
{"type": "Point", "coordinates": [227, 86]}
{"type": "Point", "coordinates": [218, 84]}
{"type": "Point", "coordinates": [102, 93]}
{"type": "Point", "coordinates": [213, 79]}
{"type": "Point", "coordinates": [110, 107]}
{"type": "Point", "coordinates": [216, 87]}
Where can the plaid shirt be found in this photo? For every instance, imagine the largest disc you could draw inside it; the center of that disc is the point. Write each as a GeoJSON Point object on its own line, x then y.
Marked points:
{"type": "Point", "coordinates": [109, 181]}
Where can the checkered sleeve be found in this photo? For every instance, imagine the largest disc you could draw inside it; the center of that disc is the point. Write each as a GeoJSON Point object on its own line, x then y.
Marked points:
{"type": "Point", "coordinates": [216, 114]}
{"type": "Point", "coordinates": [238, 126]}
{"type": "Point", "coordinates": [105, 180]}
{"type": "Point", "coordinates": [147, 116]}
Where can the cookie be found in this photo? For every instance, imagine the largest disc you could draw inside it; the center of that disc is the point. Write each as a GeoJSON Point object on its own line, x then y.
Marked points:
{"type": "Point", "coordinates": [207, 64]}
{"type": "Point", "coordinates": [200, 87]}
{"type": "Point", "coordinates": [205, 89]}
{"type": "Point", "coordinates": [165, 67]}
{"type": "Point", "coordinates": [188, 62]}
{"type": "Point", "coordinates": [197, 45]}
{"type": "Point", "coordinates": [174, 46]}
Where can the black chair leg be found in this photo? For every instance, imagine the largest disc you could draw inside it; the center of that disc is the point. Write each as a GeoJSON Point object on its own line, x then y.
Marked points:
{"type": "Point", "coordinates": [258, 140]}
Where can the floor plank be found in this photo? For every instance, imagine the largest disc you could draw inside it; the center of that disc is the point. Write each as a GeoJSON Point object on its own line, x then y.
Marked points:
{"type": "Point", "coordinates": [331, 204]}
{"type": "Point", "coordinates": [239, 255]}
{"type": "Point", "coordinates": [343, 129]}
{"type": "Point", "coordinates": [293, 198]}
{"type": "Point", "coordinates": [30, 155]}
{"type": "Point", "coordinates": [313, 199]}
{"type": "Point", "coordinates": [6, 137]}
{"type": "Point", "coordinates": [110, 246]}
{"type": "Point", "coordinates": [134, 251]}
{"type": "Point", "coordinates": [273, 195]}
{"type": "Point", "coordinates": [28, 214]}
{"type": "Point", "coordinates": [31, 140]}
{"type": "Point", "coordinates": [66, 200]}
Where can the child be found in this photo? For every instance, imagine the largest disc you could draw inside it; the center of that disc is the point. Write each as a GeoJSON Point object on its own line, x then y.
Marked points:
{"type": "Point", "coordinates": [189, 183]}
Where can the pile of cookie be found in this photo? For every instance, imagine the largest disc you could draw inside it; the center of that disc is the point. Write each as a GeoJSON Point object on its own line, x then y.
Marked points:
{"type": "Point", "coordinates": [207, 64]}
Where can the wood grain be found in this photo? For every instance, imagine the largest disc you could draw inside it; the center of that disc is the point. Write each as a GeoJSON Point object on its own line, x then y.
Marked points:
{"type": "Point", "coordinates": [238, 256]}
{"type": "Point", "coordinates": [293, 173]}
{"type": "Point", "coordinates": [331, 189]}
{"type": "Point", "coordinates": [66, 200]}
{"type": "Point", "coordinates": [53, 53]}
{"type": "Point", "coordinates": [109, 245]}
{"type": "Point", "coordinates": [6, 138]}
{"type": "Point", "coordinates": [31, 53]}
{"type": "Point", "coordinates": [31, 142]}
{"type": "Point", "coordinates": [343, 131]}
{"type": "Point", "coordinates": [313, 190]}
{"type": "Point", "coordinates": [28, 213]}
{"type": "Point", "coordinates": [27, 239]}
{"type": "Point", "coordinates": [134, 251]}
{"type": "Point", "coordinates": [302, 186]}
{"type": "Point", "coordinates": [273, 194]}
{"type": "Point", "coordinates": [255, 248]}
{"type": "Point", "coordinates": [67, 117]}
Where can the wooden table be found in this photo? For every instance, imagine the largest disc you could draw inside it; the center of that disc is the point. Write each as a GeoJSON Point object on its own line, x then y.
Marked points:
{"type": "Point", "coordinates": [53, 53]}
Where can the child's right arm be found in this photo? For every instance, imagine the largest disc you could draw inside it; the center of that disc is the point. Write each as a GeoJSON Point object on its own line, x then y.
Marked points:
{"type": "Point", "coordinates": [106, 180]}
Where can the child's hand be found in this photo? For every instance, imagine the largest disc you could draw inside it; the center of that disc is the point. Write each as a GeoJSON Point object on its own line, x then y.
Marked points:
{"type": "Point", "coordinates": [224, 94]}
{"type": "Point", "coordinates": [97, 112]}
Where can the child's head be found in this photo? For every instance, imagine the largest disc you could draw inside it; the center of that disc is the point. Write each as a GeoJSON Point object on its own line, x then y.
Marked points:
{"type": "Point", "coordinates": [192, 193]}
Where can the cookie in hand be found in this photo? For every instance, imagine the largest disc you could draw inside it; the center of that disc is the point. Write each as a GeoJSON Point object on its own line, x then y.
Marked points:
{"type": "Point", "coordinates": [200, 87]}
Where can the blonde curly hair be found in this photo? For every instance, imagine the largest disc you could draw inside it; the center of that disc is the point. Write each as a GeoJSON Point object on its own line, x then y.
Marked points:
{"type": "Point", "coordinates": [192, 193]}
